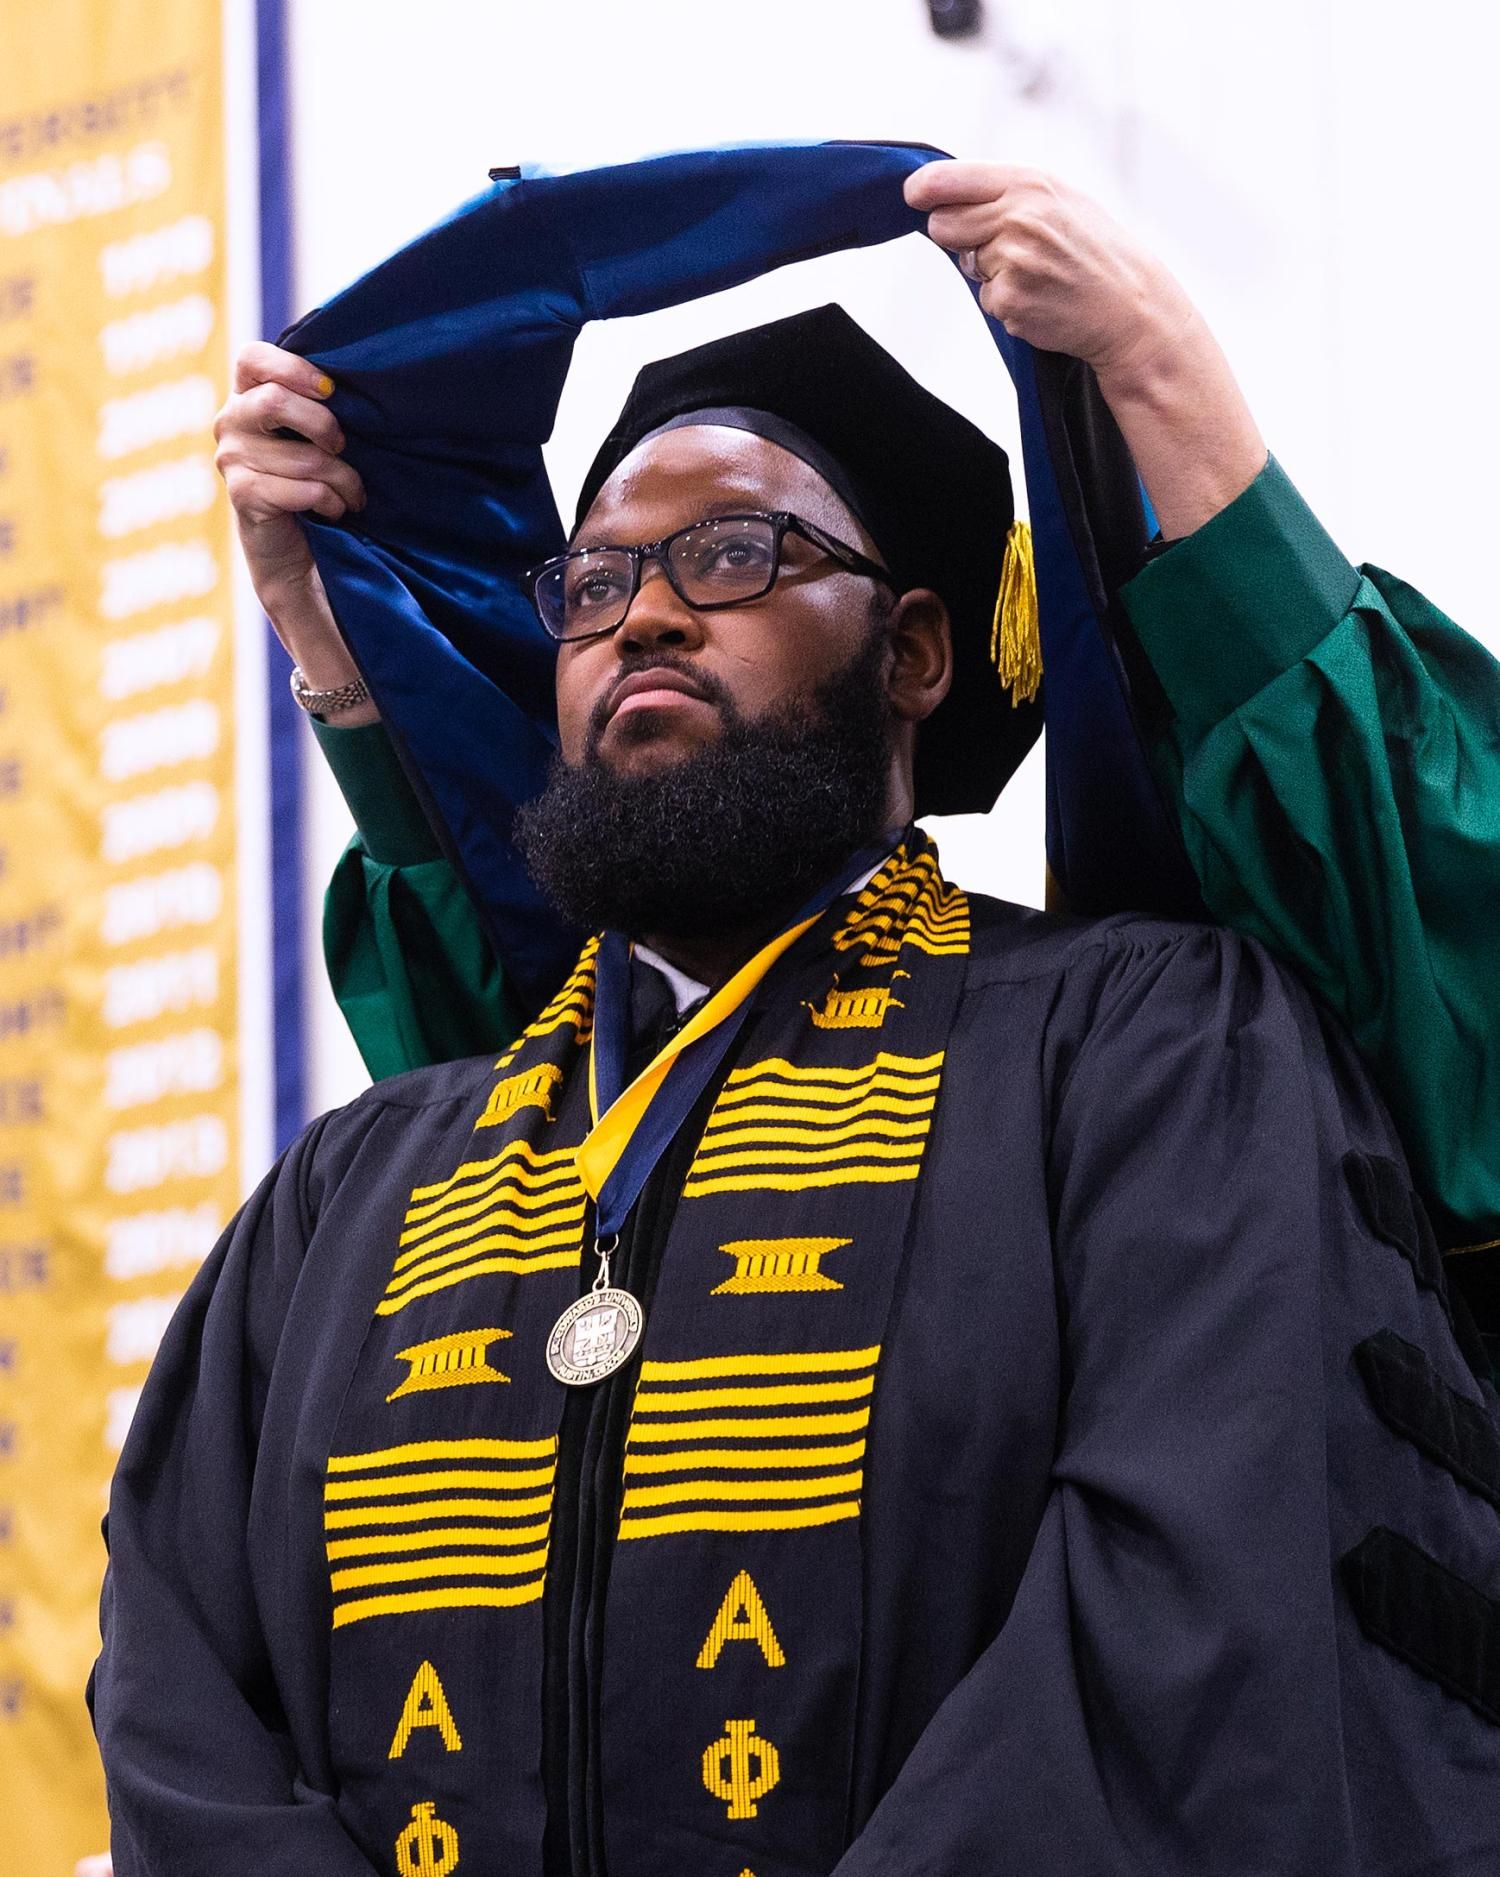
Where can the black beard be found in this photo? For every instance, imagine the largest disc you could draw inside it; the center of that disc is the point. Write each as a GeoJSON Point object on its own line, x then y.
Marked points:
{"type": "Point", "coordinates": [726, 839]}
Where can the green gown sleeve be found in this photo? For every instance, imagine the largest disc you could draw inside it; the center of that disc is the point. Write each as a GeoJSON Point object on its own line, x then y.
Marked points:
{"type": "Point", "coordinates": [410, 963]}
{"type": "Point", "coordinates": [1332, 747]}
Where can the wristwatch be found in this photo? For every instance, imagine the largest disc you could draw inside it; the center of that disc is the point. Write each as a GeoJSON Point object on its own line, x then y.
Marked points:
{"type": "Point", "coordinates": [327, 703]}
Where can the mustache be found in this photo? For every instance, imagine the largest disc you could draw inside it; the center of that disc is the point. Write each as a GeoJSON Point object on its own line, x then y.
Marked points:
{"type": "Point", "coordinates": [710, 688]}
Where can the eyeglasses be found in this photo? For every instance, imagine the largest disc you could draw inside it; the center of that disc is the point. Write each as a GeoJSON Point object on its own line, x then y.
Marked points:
{"type": "Point", "coordinates": [723, 560]}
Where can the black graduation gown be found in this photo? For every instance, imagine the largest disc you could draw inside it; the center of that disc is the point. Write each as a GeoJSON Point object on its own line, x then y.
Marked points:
{"type": "Point", "coordinates": [1179, 1525]}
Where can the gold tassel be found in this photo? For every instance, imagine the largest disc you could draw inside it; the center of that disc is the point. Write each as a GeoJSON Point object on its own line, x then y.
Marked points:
{"type": "Point", "coordinates": [1015, 636]}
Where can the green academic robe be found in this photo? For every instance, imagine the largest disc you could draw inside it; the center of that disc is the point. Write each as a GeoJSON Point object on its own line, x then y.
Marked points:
{"type": "Point", "coordinates": [1328, 742]}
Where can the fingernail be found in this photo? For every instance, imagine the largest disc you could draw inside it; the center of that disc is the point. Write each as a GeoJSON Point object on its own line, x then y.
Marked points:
{"type": "Point", "coordinates": [325, 386]}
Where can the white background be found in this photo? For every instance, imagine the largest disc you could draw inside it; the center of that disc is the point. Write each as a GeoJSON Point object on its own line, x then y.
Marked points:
{"type": "Point", "coordinates": [1320, 173]}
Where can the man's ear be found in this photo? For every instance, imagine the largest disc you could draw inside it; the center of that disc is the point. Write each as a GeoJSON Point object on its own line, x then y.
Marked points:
{"type": "Point", "coordinates": [921, 643]}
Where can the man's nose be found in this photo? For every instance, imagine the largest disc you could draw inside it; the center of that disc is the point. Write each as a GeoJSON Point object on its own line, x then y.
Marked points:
{"type": "Point", "coordinates": [657, 616]}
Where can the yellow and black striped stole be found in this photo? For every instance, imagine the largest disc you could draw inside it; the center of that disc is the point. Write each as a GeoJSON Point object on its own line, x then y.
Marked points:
{"type": "Point", "coordinates": [749, 1443]}
{"type": "Point", "coordinates": [570, 1013]}
{"type": "Point", "coordinates": [752, 1487]}
{"type": "Point", "coordinates": [438, 1525]}
{"type": "Point", "coordinates": [778, 1127]}
{"type": "Point", "coordinates": [838, 1112]}
{"type": "Point", "coordinates": [910, 904]}
{"type": "Point", "coordinates": [518, 1211]}
{"type": "Point", "coordinates": [516, 1205]}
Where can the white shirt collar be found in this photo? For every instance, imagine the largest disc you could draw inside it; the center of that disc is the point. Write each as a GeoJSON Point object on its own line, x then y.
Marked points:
{"type": "Point", "coordinates": [686, 991]}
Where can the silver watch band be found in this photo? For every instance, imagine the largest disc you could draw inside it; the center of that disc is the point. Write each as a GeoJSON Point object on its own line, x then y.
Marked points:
{"type": "Point", "coordinates": [327, 703]}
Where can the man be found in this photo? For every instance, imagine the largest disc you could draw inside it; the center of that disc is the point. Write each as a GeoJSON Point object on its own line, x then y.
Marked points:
{"type": "Point", "coordinates": [1015, 1424]}
{"type": "Point", "coordinates": [1327, 740]}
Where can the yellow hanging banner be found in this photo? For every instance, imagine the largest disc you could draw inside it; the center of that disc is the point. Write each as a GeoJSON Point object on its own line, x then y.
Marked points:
{"type": "Point", "coordinates": [120, 965]}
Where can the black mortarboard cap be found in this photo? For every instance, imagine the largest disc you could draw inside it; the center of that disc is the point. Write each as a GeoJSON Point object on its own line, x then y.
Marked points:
{"type": "Point", "coordinates": [931, 488]}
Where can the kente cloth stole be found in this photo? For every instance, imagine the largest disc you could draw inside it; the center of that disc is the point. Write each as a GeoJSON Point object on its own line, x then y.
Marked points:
{"type": "Point", "coordinates": [732, 1632]}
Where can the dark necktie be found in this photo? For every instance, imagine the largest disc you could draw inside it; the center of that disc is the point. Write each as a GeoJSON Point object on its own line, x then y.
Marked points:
{"type": "Point", "coordinates": [654, 1016]}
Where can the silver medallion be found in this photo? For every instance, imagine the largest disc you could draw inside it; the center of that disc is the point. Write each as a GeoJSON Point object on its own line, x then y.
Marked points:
{"type": "Point", "coordinates": [599, 1333]}
{"type": "Point", "coordinates": [594, 1336]}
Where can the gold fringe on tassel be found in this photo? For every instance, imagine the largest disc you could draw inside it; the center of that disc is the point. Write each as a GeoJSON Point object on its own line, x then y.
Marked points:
{"type": "Point", "coordinates": [1015, 636]}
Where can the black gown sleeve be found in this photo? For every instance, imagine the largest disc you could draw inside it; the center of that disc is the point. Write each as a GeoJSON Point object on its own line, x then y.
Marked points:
{"type": "Point", "coordinates": [198, 1752]}
{"type": "Point", "coordinates": [1236, 1648]}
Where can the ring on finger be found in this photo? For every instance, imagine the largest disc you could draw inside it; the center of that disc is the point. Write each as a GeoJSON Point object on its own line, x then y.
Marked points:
{"type": "Point", "coordinates": [968, 265]}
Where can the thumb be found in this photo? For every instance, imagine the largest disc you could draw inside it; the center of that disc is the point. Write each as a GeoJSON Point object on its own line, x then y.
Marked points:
{"type": "Point", "coordinates": [951, 183]}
